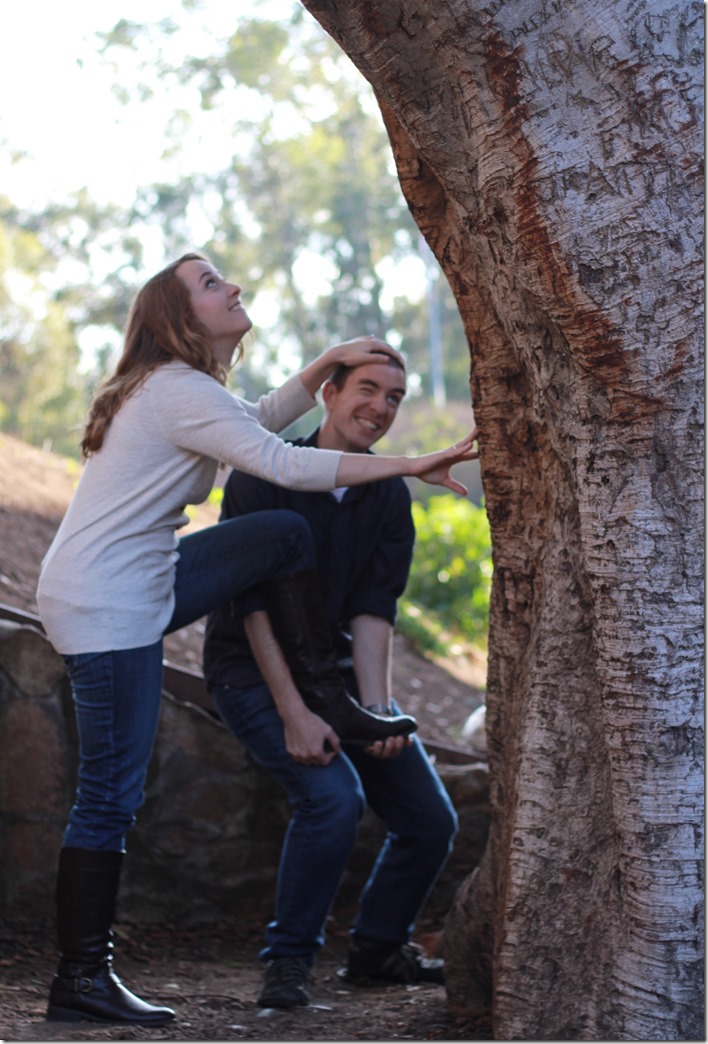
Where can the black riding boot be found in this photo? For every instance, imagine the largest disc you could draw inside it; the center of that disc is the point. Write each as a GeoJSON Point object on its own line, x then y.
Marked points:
{"type": "Point", "coordinates": [296, 611]}
{"type": "Point", "coordinates": [85, 987]}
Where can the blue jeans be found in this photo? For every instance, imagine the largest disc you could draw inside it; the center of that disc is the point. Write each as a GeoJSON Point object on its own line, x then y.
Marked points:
{"type": "Point", "coordinates": [117, 693]}
{"type": "Point", "coordinates": [327, 803]}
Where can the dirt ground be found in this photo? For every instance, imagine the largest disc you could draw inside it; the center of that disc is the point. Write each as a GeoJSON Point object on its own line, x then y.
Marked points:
{"type": "Point", "coordinates": [210, 978]}
{"type": "Point", "coordinates": [210, 975]}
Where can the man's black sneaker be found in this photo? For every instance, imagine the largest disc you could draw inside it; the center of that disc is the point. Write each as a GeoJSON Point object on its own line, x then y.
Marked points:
{"type": "Point", "coordinates": [287, 983]}
{"type": "Point", "coordinates": [407, 964]}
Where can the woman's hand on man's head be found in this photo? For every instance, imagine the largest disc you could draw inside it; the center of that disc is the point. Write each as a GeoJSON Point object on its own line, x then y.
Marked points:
{"type": "Point", "coordinates": [362, 350]}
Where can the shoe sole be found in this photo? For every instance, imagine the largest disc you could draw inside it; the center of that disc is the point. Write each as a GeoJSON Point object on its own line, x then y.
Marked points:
{"type": "Point", "coordinates": [346, 742]}
{"type": "Point", "coordinates": [71, 1015]}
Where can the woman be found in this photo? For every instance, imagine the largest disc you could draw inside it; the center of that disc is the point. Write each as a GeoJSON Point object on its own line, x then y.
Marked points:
{"type": "Point", "coordinates": [116, 579]}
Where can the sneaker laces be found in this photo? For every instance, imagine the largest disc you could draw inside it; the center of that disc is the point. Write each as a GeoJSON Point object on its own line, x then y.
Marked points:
{"type": "Point", "coordinates": [289, 971]}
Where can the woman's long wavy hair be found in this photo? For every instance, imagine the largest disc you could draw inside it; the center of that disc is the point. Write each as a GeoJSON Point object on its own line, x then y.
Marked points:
{"type": "Point", "coordinates": [161, 326]}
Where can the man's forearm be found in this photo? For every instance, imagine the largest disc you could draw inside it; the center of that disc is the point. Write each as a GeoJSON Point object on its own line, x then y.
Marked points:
{"type": "Point", "coordinates": [372, 647]}
{"type": "Point", "coordinates": [272, 665]}
{"type": "Point", "coordinates": [305, 733]}
{"type": "Point", "coordinates": [372, 651]}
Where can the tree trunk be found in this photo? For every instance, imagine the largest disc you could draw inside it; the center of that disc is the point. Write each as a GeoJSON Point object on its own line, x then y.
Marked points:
{"type": "Point", "coordinates": [550, 153]}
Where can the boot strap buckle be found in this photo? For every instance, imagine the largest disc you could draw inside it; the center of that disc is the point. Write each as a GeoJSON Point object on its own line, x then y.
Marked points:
{"type": "Point", "coordinates": [83, 985]}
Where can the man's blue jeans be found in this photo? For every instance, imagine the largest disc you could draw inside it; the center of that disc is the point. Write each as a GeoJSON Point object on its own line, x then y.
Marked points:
{"type": "Point", "coordinates": [327, 803]}
{"type": "Point", "coordinates": [117, 693]}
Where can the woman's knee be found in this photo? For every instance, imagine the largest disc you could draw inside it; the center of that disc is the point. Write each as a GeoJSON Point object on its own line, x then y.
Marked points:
{"type": "Point", "coordinates": [296, 532]}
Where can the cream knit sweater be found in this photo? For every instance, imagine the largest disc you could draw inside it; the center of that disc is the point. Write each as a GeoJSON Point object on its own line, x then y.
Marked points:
{"type": "Point", "coordinates": [107, 579]}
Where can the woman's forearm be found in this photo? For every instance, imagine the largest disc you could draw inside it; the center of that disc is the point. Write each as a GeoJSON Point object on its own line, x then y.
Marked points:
{"type": "Point", "coordinates": [316, 373]}
{"type": "Point", "coordinates": [357, 468]}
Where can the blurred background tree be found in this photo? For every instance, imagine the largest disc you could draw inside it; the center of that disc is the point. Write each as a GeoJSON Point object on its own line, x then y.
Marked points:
{"type": "Point", "coordinates": [307, 212]}
{"type": "Point", "coordinates": [42, 397]}
{"type": "Point", "coordinates": [300, 204]}
{"type": "Point", "coordinates": [276, 164]}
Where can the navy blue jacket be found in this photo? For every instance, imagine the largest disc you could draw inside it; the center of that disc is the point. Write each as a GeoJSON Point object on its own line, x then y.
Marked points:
{"type": "Point", "coordinates": [364, 548]}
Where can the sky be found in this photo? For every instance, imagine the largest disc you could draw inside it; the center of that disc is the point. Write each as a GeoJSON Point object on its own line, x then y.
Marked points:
{"type": "Point", "coordinates": [58, 105]}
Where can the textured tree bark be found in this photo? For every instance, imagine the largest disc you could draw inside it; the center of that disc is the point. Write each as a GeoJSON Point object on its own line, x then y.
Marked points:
{"type": "Point", "coordinates": [550, 152]}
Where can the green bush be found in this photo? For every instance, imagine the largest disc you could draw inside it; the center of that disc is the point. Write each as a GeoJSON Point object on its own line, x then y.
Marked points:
{"type": "Point", "coordinates": [451, 574]}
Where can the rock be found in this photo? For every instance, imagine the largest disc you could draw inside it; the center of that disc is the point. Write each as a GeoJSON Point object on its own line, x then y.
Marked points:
{"type": "Point", "coordinates": [33, 666]}
{"type": "Point", "coordinates": [208, 837]}
{"type": "Point", "coordinates": [474, 731]}
{"type": "Point", "coordinates": [37, 768]}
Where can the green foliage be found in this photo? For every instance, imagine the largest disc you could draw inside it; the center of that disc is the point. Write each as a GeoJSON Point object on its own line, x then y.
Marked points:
{"type": "Point", "coordinates": [421, 628]}
{"type": "Point", "coordinates": [452, 570]}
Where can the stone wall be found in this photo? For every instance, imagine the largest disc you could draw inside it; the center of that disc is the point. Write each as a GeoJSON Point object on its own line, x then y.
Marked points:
{"type": "Point", "coordinates": [208, 836]}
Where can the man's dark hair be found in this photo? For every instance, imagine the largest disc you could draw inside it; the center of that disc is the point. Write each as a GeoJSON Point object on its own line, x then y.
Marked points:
{"type": "Point", "coordinates": [340, 375]}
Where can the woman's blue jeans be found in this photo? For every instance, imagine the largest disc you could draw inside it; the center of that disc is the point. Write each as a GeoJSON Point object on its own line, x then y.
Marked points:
{"type": "Point", "coordinates": [117, 693]}
{"type": "Point", "coordinates": [327, 803]}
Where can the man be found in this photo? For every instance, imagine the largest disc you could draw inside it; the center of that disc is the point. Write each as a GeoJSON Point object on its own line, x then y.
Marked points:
{"type": "Point", "coordinates": [364, 538]}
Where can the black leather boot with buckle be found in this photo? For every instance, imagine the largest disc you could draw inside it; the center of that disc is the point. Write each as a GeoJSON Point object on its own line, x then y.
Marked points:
{"type": "Point", "coordinates": [295, 607]}
{"type": "Point", "coordinates": [85, 986]}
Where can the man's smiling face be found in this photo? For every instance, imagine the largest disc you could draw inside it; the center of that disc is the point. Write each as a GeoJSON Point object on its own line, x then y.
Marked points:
{"type": "Point", "coordinates": [362, 411]}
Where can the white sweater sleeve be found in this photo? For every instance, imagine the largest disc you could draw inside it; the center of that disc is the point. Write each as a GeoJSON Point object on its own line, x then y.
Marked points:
{"type": "Point", "coordinates": [197, 414]}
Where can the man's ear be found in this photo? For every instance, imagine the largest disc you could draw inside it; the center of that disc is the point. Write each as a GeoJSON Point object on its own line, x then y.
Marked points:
{"type": "Point", "coordinates": [329, 393]}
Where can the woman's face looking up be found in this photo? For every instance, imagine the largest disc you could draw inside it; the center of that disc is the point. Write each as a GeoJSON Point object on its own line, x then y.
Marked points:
{"type": "Point", "coordinates": [217, 305]}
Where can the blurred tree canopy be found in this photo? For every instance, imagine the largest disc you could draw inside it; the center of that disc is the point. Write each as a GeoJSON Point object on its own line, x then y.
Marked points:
{"type": "Point", "coordinates": [307, 213]}
{"type": "Point", "coordinates": [42, 392]}
{"type": "Point", "coordinates": [300, 204]}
